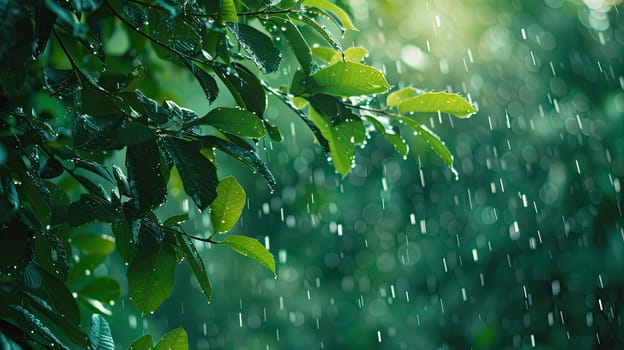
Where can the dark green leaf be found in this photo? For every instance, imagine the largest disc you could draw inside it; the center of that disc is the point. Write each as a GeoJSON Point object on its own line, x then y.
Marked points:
{"type": "Point", "coordinates": [248, 158]}
{"type": "Point", "coordinates": [297, 42]}
{"type": "Point", "coordinates": [262, 50]}
{"type": "Point", "coordinates": [206, 81]}
{"type": "Point", "coordinates": [122, 181]}
{"type": "Point", "coordinates": [332, 107]}
{"type": "Point", "coordinates": [245, 87]}
{"type": "Point", "coordinates": [84, 267]}
{"type": "Point", "coordinates": [196, 263]}
{"type": "Point", "coordinates": [273, 131]}
{"type": "Point", "coordinates": [124, 240]}
{"type": "Point", "coordinates": [146, 182]}
{"type": "Point", "coordinates": [60, 82]}
{"type": "Point", "coordinates": [37, 196]}
{"type": "Point", "coordinates": [93, 243]}
{"type": "Point", "coordinates": [174, 340]}
{"type": "Point", "coordinates": [94, 167]}
{"type": "Point", "coordinates": [150, 233]}
{"type": "Point", "coordinates": [51, 169]}
{"type": "Point", "coordinates": [143, 343]}
{"type": "Point", "coordinates": [55, 292]}
{"type": "Point", "coordinates": [234, 121]}
{"type": "Point", "coordinates": [100, 334]}
{"type": "Point", "coordinates": [90, 208]}
{"type": "Point", "coordinates": [152, 109]}
{"type": "Point", "coordinates": [135, 14]}
{"type": "Point", "coordinates": [32, 278]}
{"type": "Point", "coordinates": [9, 200]}
{"type": "Point", "coordinates": [198, 174]}
{"type": "Point", "coordinates": [250, 247]}
{"type": "Point", "coordinates": [150, 277]}
{"type": "Point", "coordinates": [29, 323]}
{"type": "Point", "coordinates": [103, 289]}
{"type": "Point", "coordinates": [176, 219]}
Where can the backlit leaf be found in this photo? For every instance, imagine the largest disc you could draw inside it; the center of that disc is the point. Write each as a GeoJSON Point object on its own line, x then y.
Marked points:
{"type": "Point", "coordinates": [443, 102]}
{"type": "Point", "coordinates": [346, 79]}
{"type": "Point", "coordinates": [250, 247]}
{"type": "Point", "coordinates": [150, 277]}
{"type": "Point", "coordinates": [228, 205]}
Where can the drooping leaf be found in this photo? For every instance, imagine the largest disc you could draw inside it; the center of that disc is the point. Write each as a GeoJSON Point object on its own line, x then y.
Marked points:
{"type": "Point", "coordinates": [250, 247]}
{"type": "Point", "coordinates": [228, 206]}
{"type": "Point", "coordinates": [245, 87]}
{"type": "Point", "coordinates": [150, 277]}
{"type": "Point", "coordinates": [44, 19]}
{"type": "Point", "coordinates": [234, 121]}
{"type": "Point", "coordinates": [123, 239]}
{"type": "Point", "coordinates": [273, 131]}
{"type": "Point", "coordinates": [196, 264]}
{"type": "Point", "coordinates": [198, 174]}
{"type": "Point", "coordinates": [443, 102]}
{"type": "Point", "coordinates": [103, 289]}
{"type": "Point", "coordinates": [146, 182]}
{"type": "Point", "coordinates": [206, 81]}
{"type": "Point", "coordinates": [297, 42]}
{"type": "Point", "coordinates": [259, 46]}
{"type": "Point", "coordinates": [342, 139]}
{"type": "Point", "coordinates": [346, 79]}
{"type": "Point", "coordinates": [321, 30]}
{"type": "Point", "coordinates": [176, 219]}
{"type": "Point", "coordinates": [432, 140]}
{"type": "Point", "coordinates": [247, 157]}
{"type": "Point", "coordinates": [55, 292]}
{"type": "Point", "coordinates": [174, 340]}
{"type": "Point", "coordinates": [143, 343]}
{"type": "Point", "coordinates": [100, 334]}
{"type": "Point", "coordinates": [93, 243]}
{"type": "Point", "coordinates": [334, 10]}
{"type": "Point", "coordinates": [392, 136]}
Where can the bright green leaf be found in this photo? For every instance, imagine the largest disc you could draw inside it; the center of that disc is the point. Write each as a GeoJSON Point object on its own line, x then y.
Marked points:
{"type": "Point", "coordinates": [103, 289]}
{"type": "Point", "coordinates": [228, 206]}
{"type": "Point", "coordinates": [335, 10]}
{"type": "Point", "coordinates": [443, 102]}
{"type": "Point", "coordinates": [176, 219]}
{"type": "Point", "coordinates": [431, 139]}
{"type": "Point", "coordinates": [297, 42]}
{"type": "Point", "coordinates": [227, 12]}
{"type": "Point", "coordinates": [342, 139]}
{"type": "Point", "coordinates": [352, 54]}
{"type": "Point", "coordinates": [250, 247]}
{"type": "Point", "coordinates": [394, 138]}
{"type": "Point", "coordinates": [401, 95]}
{"type": "Point", "coordinates": [143, 343]}
{"type": "Point", "coordinates": [100, 334]}
{"type": "Point", "coordinates": [346, 79]}
{"type": "Point", "coordinates": [150, 277]}
{"type": "Point", "coordinates": [93, 243]}
{"type": "Point", "coordinates": [235, 121]}
{"type": "Point", "coordinates": [174, 340]}
{"type": "Point", "coordinates": [325, 53]}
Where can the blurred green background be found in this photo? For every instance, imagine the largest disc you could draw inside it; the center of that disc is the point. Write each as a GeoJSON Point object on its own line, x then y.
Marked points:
{"type": "Point", "coordinates": [524, 250]}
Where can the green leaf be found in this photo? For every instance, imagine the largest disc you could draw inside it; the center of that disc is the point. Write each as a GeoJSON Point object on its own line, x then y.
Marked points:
{"type": "Point", "coordinates": [90, 208]}
{"type": "Point", "coordinates": [250, 247]}
{"type": "Point", "coordinates": [297, 42]}
{"type": "Point", "coordinates": [60, 82]}
{"type": "Point", "coordinates": [206, 81]}
{"type": "Point", "coordinates": [123, 239]}
{"type": "Point", "coordinates": [100, 334]}
{"type": "Point", "coordinates": [150, 277]}
{"type": "Point", "coordinates": [262, 50]}
{"type": "Point", "coordinates": [395, 98]}
{"type": "Point", "coordinates": [93, 243]}
{"type": "Point", "coordinates": [245, 87]}
{"type": "Point", "coordinates": [55, 292]}
{"type": "Point", "coordinates": [352, 54]}
{"type": "Point", "coordinates": [174, 340]}
{"type": "Point", "coordinates": [176, 219]}
{"type": "Point", "coordinates": [29, 323]}
{"type": "Point", "coordinates": [246, 157]}
{"type": "Point", "coordinates": [326, 54]}
{"type": "Point", "coordinates": [392, 136]}
{"type": "Point", "coordinates": [346, 79]}
{"type": "Point", "coordinates": [196, 263]}
{"type": "Point", "coordinates": [227, 12]}
{"type": "Point", "coordinates": [333, 10]}
{"type": "Point", "coordinates": [16, 241]}
{"type": "Point", "coordinates": [331, 107]}
{"type": "Point", "coordinates": [135, 14]}
{"type": "Point", "coordinates": [320, 29]}
{"type": "Point", "coordinates": [198, 174]}
{"type": "Point", "coordinates": [235, 121]}
{"type": "Point", "coordinates": [342, 139]}
{"type": "Point", "coordinates": [443, 102]}
{"type": "Point", "coordinates": [103, 289]}
{"type": "Point", "coordinates": [44, 20]}
{"type": "Point", "coordinates": [32, 278]}
{"type": "Point", "coordinates": [51, 169]}
{"type": "Point", "coordinates": [143, 343]}
{"type": "Point", "coordinates": [84, 267]}
{"type": "Point", "coordinates": [432, 140]}
{"type": "Point", "coordinates": [146, 182]}
{"type": "Point", "coordinates": [274, 133]}
{"type": "Point", "coordinates": [228, 206]}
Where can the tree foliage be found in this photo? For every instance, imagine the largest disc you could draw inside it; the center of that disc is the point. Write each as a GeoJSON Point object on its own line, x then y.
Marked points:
{"type": "Point", "coordinates": [88, 136]}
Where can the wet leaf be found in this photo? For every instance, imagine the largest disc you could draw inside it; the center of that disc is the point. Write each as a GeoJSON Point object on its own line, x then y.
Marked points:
{"type": "Point", "coordinates": [150, 277]}
{"type": "Point", "coordinates": [393, 137]}
{"type": "Point", "coordinates": [346, 79]}
{"type": "Point", "coordinates": [261, 48]}
{"type": "Point", "coordinates": [143, 343]}
{"type": "Point", "coordinates": [234, 121]}
{"type": "Point", "coordinates": [198, 174]}
{"type": "Point", "coordinates": [250, 247]}
{"type": "Point", "coordinates": [443, 102]}
{"type": "Point", "coordinates": [100, 334]}
{"type": "Point", "coordinates": [174, 340]}
{"type": "Point", "coordinates": [196, 263]}
{"type": "Point", "coordinates": [352, 54]}
{"type": "Point", "coordinates": [103, 289]}
{"type": "Point", "coordinates": [145, 180]}
{"type": "Point", "coordinates": [297, 42]}
{"type": "Point", "coordinates": [228, 206]}
{"type": "Point", "coordinates": [333, 10]}
{"type": "Point", "coordinates": [89, 243]}
{"type": "Point", "coordinates": [432, 140]}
